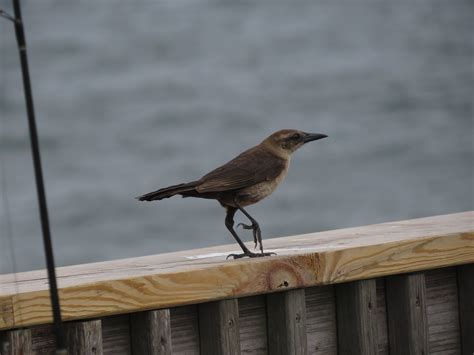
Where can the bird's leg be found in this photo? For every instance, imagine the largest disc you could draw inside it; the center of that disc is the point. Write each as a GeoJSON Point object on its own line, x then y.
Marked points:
{"type": "Point", "coordinates": [257, 232]}
{"type": "Point", "coordinates": [229, 223]}
{"type": "Point", "coordinates": [255, 229]}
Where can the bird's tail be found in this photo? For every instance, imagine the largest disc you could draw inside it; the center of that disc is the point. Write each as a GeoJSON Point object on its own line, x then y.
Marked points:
{"type": "Point", "coordinates": [168, 191]}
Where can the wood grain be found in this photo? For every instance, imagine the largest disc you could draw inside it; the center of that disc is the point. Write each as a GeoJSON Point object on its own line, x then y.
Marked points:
{"type": "Point", "coordinates": [43, 339]}
{"type": "Point", "coordinates": [465, 275]}
{"type": "Point", "coordinates": [16, 342]}
{"type": "Point", "coordinates": [286, 322]}
{"type": "Point", "coordinates": [84, 338]}
{"type": "Point", "coordinates": [321, 330]}
{"type": "Point", "coordinates": [253, 325]}
{"type": "Point", "coordinates": [357, 318]}
{"type": "Point", "coordinates": [185, 330]}
{"type": "Point", "coordinates": [173, 279]}
{"type": "Point", "coordinates": [219, 327]}
{"type": "Point", "coordinates": [407, 322]}
{"type": "Point", "coordinates": [442, 315]}
{"type": "Point", "coordinates": [116, 335]}
{"type": "Point", "coordinates": [381, 314]}
{"type": "Point", "coordinates": [443, 312]}
{"type": "Point", "coordinates": [6, 311]}
{"type": "Point", "coordinates": [151, 332]}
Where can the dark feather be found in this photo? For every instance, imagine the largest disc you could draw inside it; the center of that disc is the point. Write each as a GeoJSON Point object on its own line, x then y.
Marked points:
{"type": "Point", "coordinates": [167, 192]}
{"type": "Point", "coordinates": [247, 169]}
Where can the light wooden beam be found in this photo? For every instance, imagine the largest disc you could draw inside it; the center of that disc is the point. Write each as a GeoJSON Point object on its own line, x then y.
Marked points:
{"type": "Point", "coordinates": [203, 275]}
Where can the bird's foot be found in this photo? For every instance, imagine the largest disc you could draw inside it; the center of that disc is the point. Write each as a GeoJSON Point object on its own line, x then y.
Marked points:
{"type": "Point", "coordinates": [246, 226]}
{"type": "Point", "coordinates": [257, 233]}
{"type": "Point", "coordinates": [249, 254]}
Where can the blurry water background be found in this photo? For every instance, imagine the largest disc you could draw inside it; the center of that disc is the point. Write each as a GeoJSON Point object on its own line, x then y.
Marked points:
{"type": "Point", "coordinates": [133, 96]}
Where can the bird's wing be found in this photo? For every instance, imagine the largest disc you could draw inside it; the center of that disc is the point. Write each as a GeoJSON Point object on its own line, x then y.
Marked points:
{"type": "Point", "coordinates": [247, 169]}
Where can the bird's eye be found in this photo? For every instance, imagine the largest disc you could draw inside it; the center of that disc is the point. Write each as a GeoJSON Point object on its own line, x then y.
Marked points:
{"type": "Point", "coordinates": [296, 136]}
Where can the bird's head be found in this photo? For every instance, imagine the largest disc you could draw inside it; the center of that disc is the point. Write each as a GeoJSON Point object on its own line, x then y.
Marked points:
{"type": "Point", "coordinates": [287, 141]}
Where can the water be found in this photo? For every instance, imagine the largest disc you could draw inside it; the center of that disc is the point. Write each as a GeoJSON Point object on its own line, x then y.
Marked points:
{"type": "Point", "coordinates": [133, 97]}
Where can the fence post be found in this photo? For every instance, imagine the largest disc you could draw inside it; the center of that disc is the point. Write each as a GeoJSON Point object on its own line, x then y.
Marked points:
{"type": "Point", "coordinates": [406, 314]}
{"type": "Point", "coordinates": [356, 308]}
{"type": "Point", "coordinates": [151, 332]}
{"type": "Point", "coordinates": [286, 323]}
{"type": "Point", "coordinates": [219, 327]}
{"type": "Point", "coordinates": [17, 341]}
{"type": "Point", "coordinates": [465, 274]}
{"type": "Point", "coordinates": [84, 337]}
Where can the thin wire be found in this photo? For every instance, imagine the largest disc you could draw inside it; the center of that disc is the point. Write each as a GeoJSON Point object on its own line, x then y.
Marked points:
{"type": "Point", "coordinates": [6, 15]}
{"type": "Point", "coordinates": [3, 174]}
{"type": "Point", "coordinates": [43, 208]}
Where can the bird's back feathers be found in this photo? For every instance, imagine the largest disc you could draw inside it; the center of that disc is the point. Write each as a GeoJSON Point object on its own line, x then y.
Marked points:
{"type": "Point", "coordinates": [247, 169]}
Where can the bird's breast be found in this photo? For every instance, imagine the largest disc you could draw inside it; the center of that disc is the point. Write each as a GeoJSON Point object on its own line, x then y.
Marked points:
{"type": "Point", "coordinates": [257, 192]}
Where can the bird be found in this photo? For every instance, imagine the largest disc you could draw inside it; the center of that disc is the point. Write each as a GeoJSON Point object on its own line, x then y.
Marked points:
{"type": "Point", "coordinates": [245, 180]}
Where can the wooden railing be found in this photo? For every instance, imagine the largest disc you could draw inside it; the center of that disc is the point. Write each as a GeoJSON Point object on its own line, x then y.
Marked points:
{"type": "Point", "coordinates": [405, 287]}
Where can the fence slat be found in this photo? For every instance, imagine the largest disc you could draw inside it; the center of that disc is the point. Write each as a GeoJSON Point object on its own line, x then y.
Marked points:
{"type": "Point", "coordinates": [151, 332]}
{"type": "Point", "coordinates": [321, 329]}
{"type": "Point", "coordinates": [406, 314]}
{"type": "Point", "coordinates": [356, 308]}
{"type": "Point", "coordinates": [465, 275]}
{"type": "Point", "coordinates": [286, 322]}
{"type": "Point", "coordinates": [185, 329]}
{"type": "Point", "coordinates": [17, 341]}
{"type": "Point", "coordinates": [84, 337]}
{"type": "Point", "coordinates": [253, 325]}
{"type": "Point", "coordinates": [219, 327]}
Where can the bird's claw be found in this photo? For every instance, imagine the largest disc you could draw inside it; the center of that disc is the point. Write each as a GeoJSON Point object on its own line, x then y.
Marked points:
{"type": "Point", "coordinates": [250, 255]}
{"type": "Point", "coordinates": [245, 226]}
{"type": "Point", "coordinates": [257, 234]}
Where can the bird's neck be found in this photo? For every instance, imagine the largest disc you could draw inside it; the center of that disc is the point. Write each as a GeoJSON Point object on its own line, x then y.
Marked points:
{"type": "Point", "coordinates": [280, 153]}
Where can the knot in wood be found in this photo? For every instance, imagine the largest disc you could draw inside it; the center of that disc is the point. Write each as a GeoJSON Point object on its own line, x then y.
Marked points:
{"type": "Point", "coordinates": [283, 274]}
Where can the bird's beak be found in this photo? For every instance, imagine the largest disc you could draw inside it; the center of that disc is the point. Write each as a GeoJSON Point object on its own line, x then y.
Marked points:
{"type": "Point", "coordinates": [309, 137]}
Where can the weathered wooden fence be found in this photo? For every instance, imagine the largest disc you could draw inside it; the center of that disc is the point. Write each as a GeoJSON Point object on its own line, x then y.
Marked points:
{"type": "Point", "coordinates": [395, 288]}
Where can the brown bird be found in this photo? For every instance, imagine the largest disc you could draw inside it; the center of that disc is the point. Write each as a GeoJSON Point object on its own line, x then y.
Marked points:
{"type": "Point", "coordinates": [243, 181]}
